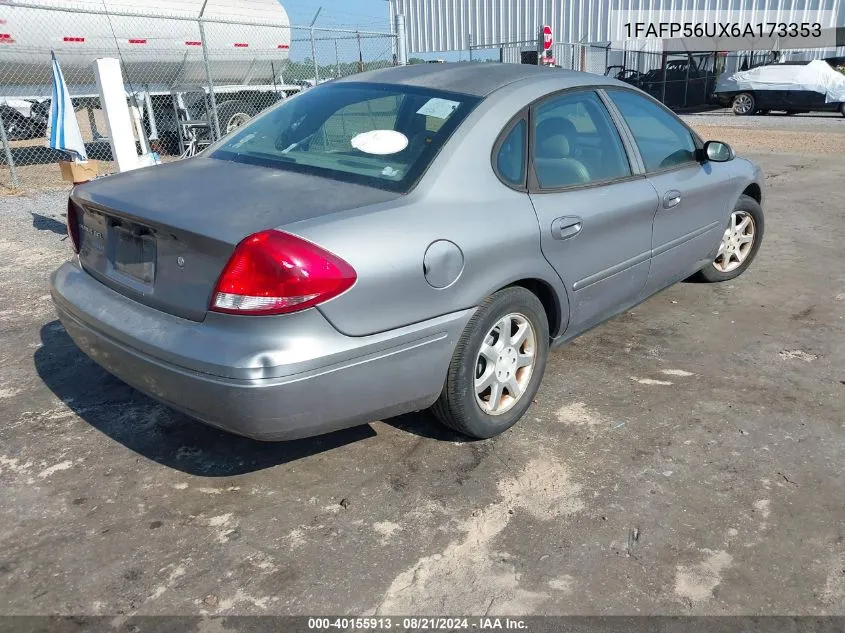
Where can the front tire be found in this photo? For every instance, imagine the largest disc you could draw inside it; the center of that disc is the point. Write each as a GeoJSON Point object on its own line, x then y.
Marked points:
{"type": "Point", "coordinates": [740, 242]}
{"type": "Point", "coordinates": [497, 365]}
{"type": "Point", "coordinates": [744, 104]}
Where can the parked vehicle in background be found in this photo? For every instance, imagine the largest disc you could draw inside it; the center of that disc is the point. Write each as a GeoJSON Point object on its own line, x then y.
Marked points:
{"type": "Point", "coordinates": [682, 80]}
{"type": "Point", "coordinates": [401, 239]}
{"type": "Point", "coordinates": [791, 87]}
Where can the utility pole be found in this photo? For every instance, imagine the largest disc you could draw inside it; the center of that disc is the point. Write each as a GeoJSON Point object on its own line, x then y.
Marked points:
{"type": "Point", "coordinates": [401, 41]}
{"type": "Point", "coordinates": [211, 96]}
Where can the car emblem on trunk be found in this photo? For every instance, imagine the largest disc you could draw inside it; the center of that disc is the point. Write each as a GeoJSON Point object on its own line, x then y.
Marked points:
{"type": "Point", "coordinates": [92, 232]}
{"type": "Point", "coordinates": [180, 261]}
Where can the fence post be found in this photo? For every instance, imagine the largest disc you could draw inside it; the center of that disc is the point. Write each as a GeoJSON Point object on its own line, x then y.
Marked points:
{"type": "Point", "coordinates": [336, 60]}
{"type": "Point", "coordinates": [8, 150]}
{"type": "Point", "coordinates": [360, 53]}
{"type": "Point", "coordinates": [401, 44]}
{"type": "Point", "coordinates": [314, 58]}
{"type": "Point", "coordinates": [212, 97]}
{"type": "Point", "coordinates": [469, 39]}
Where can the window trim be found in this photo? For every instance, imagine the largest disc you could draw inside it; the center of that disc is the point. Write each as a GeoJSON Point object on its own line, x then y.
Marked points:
{"type": "Point", "coordinates": [522, 115]}
{"type": "Point", "coordinates": [534, 182]}
{"type": "Point", "coordinates": [696, 139]}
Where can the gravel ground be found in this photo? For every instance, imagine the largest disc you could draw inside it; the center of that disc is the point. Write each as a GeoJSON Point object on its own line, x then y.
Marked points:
{"type": "Point", "coordinates": [815, 121]}
{"type": "Point", "coordinates": [776, 134]}
{"type": "Point", "coordinates": [684, 458]}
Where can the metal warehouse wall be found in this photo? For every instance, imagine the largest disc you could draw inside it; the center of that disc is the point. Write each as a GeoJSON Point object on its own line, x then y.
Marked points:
{"type": "Point", "coordinates": [446, 25]}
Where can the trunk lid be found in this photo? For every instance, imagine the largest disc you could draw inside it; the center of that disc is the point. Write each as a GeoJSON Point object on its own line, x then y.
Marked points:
{"type": "Point", "coordinates": [162, 235]}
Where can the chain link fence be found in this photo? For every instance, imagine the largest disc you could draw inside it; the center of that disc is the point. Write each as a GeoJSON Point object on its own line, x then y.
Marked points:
{"type": "Point", "coordinates": [571, 56]}
{"type": "Point", "coordinates": [189, 79]}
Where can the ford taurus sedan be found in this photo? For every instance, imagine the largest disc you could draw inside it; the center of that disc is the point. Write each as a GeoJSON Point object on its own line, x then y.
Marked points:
{"type": "Point", "coordinates": [402, 239]}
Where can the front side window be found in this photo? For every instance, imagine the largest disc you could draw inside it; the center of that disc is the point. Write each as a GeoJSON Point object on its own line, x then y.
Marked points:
{"type": "Point", "coordinates": [379, 135]}
{"type": "Point", "coordinates": [663, 141]}
{"type": "Point", "coordinates": [576, 142]}
{"type": "Point", "coordinates": [510, 161]}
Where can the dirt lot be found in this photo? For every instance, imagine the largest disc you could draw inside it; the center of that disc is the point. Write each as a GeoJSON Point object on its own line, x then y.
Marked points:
{"type": "Point", "coordinates": [685, 458]}
{"type": "Point", "coordinates": [776, 133]}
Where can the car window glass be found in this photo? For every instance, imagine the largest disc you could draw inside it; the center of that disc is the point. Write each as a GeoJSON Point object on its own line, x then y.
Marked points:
{"type": "Point", "coordinates": [511, 158]}
{"type": "Point", "coordinates": [576, 142]}
{"type": "Point", "coordinates": [373, 134]}
{"type": "Point", "coordinates": [354, 119]}
{"type": "Point", "coordinates": [663, 140]}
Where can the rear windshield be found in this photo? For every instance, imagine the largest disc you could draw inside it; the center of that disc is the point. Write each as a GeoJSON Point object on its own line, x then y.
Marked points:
{"type": "Point", "coordinates": [379, 135]}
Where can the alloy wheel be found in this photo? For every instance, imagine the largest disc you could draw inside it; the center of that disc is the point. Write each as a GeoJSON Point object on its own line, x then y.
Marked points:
{"type": "Point", "coordinates": [743, 104]}
{"type": "Point", "coordinates": [505, 364]}
{"type": "Point", "coordinates": [737, 242]}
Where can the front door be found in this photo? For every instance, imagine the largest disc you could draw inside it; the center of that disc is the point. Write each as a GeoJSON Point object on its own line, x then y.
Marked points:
{"type": "Point", "coordinates": [693, 197]}
{"type": "Point", "coordinates": [595, 214]}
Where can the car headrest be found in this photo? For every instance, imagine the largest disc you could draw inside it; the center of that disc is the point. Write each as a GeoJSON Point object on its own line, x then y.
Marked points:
{"type": "Point", "coordinates": [555, 137]}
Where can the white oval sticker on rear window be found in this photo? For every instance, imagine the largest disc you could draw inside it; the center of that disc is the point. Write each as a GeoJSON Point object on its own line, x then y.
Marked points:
{"type": "Point", "coordinates": [380, 142]}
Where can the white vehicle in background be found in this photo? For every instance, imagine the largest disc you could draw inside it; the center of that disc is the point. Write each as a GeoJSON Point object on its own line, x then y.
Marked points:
{"type": "Point", "coordinates": [247, 46]}
{"type": "Point", "coordinates": [791, 87]}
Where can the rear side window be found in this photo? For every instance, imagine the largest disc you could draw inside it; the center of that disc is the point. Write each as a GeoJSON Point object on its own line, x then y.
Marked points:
{"type": "Point", "coordinates": [576, 142]}
{"type": "Point", "coordinates": [510, 160]}
{"type": "Point", "coordinates": [663, 141]}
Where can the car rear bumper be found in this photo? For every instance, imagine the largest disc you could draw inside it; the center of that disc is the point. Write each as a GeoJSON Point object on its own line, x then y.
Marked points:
{"type": "Point", "coordinates": [268, 378]}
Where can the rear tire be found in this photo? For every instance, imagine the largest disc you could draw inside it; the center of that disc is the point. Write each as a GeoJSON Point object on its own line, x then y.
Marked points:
{"type": "Point", "coordinates": [483, 414]}
{"type": "Point", "coordinates": [744, 104]}
{"type": "Point", "coordinates": [733, 257]}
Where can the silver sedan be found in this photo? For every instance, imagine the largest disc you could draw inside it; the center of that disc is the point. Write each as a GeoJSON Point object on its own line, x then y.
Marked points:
{"type": "Point", "coordinates": [397, 240]}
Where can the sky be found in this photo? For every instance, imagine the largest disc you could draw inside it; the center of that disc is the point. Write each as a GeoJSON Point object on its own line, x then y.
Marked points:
{"type": "Point", "coordinates": [371, 15]}
{"type": "Point", "coordinates": [360, 14]}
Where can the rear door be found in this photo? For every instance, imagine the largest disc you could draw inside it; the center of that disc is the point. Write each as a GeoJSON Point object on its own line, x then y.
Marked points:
{"type": "Point", "coordinates": [693, 197]}
{"type": "Point", "coordinates": [595, 210]}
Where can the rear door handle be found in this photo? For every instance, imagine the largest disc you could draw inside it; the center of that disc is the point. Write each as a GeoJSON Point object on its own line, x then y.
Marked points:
{"type": "Point", "coordinates": [671, 199]}
{"type": "Point", "coordinates": [566, 227]}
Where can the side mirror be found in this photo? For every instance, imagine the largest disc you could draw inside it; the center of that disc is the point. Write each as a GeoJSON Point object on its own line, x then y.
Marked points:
{"type": "Point", "coordinates": [718, 152]}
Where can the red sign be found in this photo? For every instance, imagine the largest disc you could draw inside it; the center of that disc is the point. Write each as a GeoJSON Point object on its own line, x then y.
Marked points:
{"type": "Point", "coordinates": [547, 37]}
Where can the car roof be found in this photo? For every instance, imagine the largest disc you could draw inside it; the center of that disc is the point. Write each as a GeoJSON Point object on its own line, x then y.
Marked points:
{"type": "Point", "coordinates": [478, 79]}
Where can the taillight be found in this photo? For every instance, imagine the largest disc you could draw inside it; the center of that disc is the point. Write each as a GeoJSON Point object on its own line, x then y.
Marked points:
{"type": "Point", "coordinates": [73, 224]}
{"type": "Point", "coordinates": [274, 273]}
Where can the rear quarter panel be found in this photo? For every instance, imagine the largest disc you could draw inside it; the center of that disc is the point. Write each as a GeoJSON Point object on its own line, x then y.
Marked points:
{"type": "Point", "coordinates": [460, 199]}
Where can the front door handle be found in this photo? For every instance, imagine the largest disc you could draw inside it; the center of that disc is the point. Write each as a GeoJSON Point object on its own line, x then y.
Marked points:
{"type": "Point", "coordinates": [566, 227]}
{"type": "Point", "coordinates": [671, 199]}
